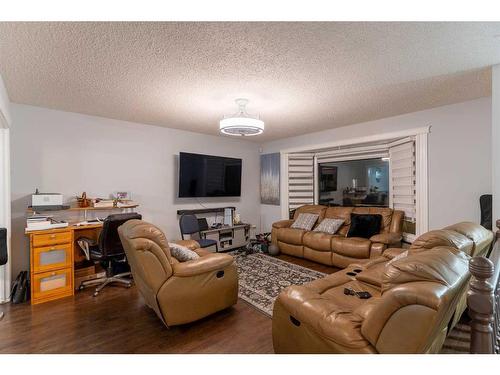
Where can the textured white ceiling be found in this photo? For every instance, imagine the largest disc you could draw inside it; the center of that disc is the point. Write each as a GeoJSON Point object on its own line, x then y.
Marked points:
{"type": "Point", "coordinates": [300, 77]}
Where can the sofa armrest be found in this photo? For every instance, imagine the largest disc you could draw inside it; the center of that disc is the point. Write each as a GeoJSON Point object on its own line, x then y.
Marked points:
{"type": "Point", "coordinates": [387, 238]}
{"type": "Point", "coordinates": [204, 264]}
{"type": "Point", "coordinates": [283, 224]}
{"type": "Point", "coordinates": [202, 252]}
{"type": "Point", "coordinates": [190, 244]}
{"type": "Point", "coordinates": [393, 252]}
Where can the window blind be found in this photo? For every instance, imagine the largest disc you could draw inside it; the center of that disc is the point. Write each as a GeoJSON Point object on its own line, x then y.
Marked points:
{"type": "Point", "coordinates": [300, 180]}
{"type": "Point", "coordinates": [403, 181]}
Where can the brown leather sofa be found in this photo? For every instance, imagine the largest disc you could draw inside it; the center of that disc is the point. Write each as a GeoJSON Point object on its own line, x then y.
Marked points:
{"type": "Point", "coordinates": [416, 299]}
{"type": "Point", "coordinates": [178, 292]}
{"type": "Point", "coordinates": [338, 250]}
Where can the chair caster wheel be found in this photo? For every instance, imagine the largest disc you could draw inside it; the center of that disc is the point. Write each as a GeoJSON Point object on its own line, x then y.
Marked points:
{"type": "Point", "coordinates": [96, 294]}
{"type": "Point", "coordinates": [81, 287]}
{"type": "Point", "coordinates": [129, 285]}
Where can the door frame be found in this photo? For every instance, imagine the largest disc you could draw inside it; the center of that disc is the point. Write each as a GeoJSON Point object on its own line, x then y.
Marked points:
{"type": "Point", "coordinates": [5, 205]}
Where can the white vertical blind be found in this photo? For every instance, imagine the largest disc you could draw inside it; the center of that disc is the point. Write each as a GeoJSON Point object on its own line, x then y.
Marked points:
{"type": "Point", "coordinates": [300, 179]}
{"type": "Point", "coordinates": [403, 180]}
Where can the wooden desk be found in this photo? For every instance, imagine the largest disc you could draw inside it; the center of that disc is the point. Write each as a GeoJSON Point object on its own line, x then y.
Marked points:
{"type": "Point", "coordinates": [53, 254]}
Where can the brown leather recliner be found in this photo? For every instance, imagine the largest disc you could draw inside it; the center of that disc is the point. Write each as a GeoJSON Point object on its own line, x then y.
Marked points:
{"type": "Point", "coordinates": [338, 250]}
{"type": "Point", "coordinates": [408, 313]}
{"type": "Point", "coordinates": [178, 292]}
{"type": "Point", "coordinates": [336, 323]}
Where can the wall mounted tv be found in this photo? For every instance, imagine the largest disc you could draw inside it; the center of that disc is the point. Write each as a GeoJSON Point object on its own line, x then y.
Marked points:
{"type": "Point", "coordinates": [208, 176]}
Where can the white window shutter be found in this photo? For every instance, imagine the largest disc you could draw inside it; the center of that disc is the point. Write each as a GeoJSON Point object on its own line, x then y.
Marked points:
{"type": "Point", "coordinates": [403, 180]}
{"type": "Point", "coordinates": [300, 180]}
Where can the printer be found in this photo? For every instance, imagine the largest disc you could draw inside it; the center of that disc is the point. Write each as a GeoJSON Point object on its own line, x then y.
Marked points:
{"type": "Point", "coordinates": [47, 201]}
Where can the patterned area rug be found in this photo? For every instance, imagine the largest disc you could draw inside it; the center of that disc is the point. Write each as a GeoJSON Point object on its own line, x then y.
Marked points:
{"type": "Point", "coordinates": [262, 278]}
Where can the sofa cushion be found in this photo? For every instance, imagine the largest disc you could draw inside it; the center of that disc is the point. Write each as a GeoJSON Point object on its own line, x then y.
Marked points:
{"type": "Point", "coordinates": [353, 247]}
{"type": "Point", "coordinates": [339, 212]}
{"type": "Point", "coordinates": [305, 221]}
{"type": "Point", "coordinates": [330, 226]}
{"type": "Point", "coordinates": [310, 209]}
{"type": "Point", "coordinates": [443, 237]}
{"type": "Point", "coordinates": [443, 264]}
{"type": "Point", "coordinates": [364, 225]}
{"type": "Point", "coordinates": [372, 275]}
{"type": "Point", "coordinates": [318, 241]}
{"type": "Point", "coordinates": [291, 236]}
{"type": "Point", "coordinates": [480, 236]}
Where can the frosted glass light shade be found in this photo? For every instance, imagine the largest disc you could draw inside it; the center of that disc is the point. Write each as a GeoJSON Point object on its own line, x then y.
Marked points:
{"type": "Point", "coordinates": [241, 126]}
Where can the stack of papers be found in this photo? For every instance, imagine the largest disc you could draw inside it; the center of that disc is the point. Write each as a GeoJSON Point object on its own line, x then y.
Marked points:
{"type": "Point", "coordinates": [42, 222]}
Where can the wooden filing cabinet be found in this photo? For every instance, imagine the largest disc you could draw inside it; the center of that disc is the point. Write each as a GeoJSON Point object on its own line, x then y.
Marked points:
{"type": "Point", "coordinates": [51, 264]}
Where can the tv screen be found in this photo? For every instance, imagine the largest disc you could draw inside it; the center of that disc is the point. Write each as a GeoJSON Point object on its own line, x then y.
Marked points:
{"type": "Point", "coordinates": [208, 176]}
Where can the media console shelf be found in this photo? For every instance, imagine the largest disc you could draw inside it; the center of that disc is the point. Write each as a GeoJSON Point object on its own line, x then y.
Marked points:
{"type": "Point", "coordinates": [204, 211]}
{"type": "Point", "coordinates": [229, 237]}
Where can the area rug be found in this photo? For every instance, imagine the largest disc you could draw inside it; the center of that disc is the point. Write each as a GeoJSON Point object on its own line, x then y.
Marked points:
{"type": "Point", "coordinates": [262, 278]}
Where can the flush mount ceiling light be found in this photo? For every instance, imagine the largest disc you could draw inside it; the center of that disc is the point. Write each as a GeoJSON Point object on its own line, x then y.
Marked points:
{"type": "Point", "coordinates": [241, 123]}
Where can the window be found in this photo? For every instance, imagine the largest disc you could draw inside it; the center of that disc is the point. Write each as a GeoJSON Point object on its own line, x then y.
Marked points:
{"type": "Point", "coordinates": [315, 175]}
{"type": "Point", "coordinates": [354, 183]}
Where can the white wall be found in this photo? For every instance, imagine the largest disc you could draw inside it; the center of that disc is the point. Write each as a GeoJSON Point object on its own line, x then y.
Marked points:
{"type": "Point", "coordinates": [70, 153]}
{"type": "Point", "coordinates": [459, 156]}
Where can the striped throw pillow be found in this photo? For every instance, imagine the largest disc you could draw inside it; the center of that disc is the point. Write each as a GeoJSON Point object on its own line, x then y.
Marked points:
{"type": "Point", "coordinates": [305, 221]}
{"type": "Point", "coordinates": [330, 226]}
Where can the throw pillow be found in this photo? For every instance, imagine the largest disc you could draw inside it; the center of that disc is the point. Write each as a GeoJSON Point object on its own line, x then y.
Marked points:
{"type": "Point", "coordinates": [364, 225]}
{"type": "Point", "coordinates": [330, 226]}
{"type": "Point", "coordinates": [182, 253]}
{"type": "Point", "coordinates": [305, 221]}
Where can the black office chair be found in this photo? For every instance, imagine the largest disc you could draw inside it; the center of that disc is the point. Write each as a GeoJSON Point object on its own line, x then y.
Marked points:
{"type": "Point", "coordinates": [109, 251]}
{"type": "Point", "coordinates": [3, 253]}
{"type": "Point", "coordinates": [189, 224]}
{"type": "Point", "coordinates": [486, 204]}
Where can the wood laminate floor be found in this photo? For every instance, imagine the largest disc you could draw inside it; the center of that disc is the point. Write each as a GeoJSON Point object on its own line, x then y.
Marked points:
{"type": "Point", "coordinates": [118, 321]}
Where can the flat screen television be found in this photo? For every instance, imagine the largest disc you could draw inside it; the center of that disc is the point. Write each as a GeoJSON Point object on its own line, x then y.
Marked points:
{"type": "Point", "coordinates": [208, 176]}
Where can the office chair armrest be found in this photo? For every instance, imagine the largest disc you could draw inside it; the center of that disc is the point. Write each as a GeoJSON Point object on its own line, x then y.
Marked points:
{"type": "Point", "coordinates": [86, 246]}
{"type": "Point", "coordinates": [89, 241]}
{"type": "Point", "coordinates": [190, 244]}
{"type": "Point", "coordinates": [204, 264]}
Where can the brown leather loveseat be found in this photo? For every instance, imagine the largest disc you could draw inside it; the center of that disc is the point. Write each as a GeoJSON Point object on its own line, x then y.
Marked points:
{"type": "Point", "coordinates": [179, 292]}
{"type": "Point", "coordinates": [417, 297]}
{"type": "Point", "coordinates": [337, 249]}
